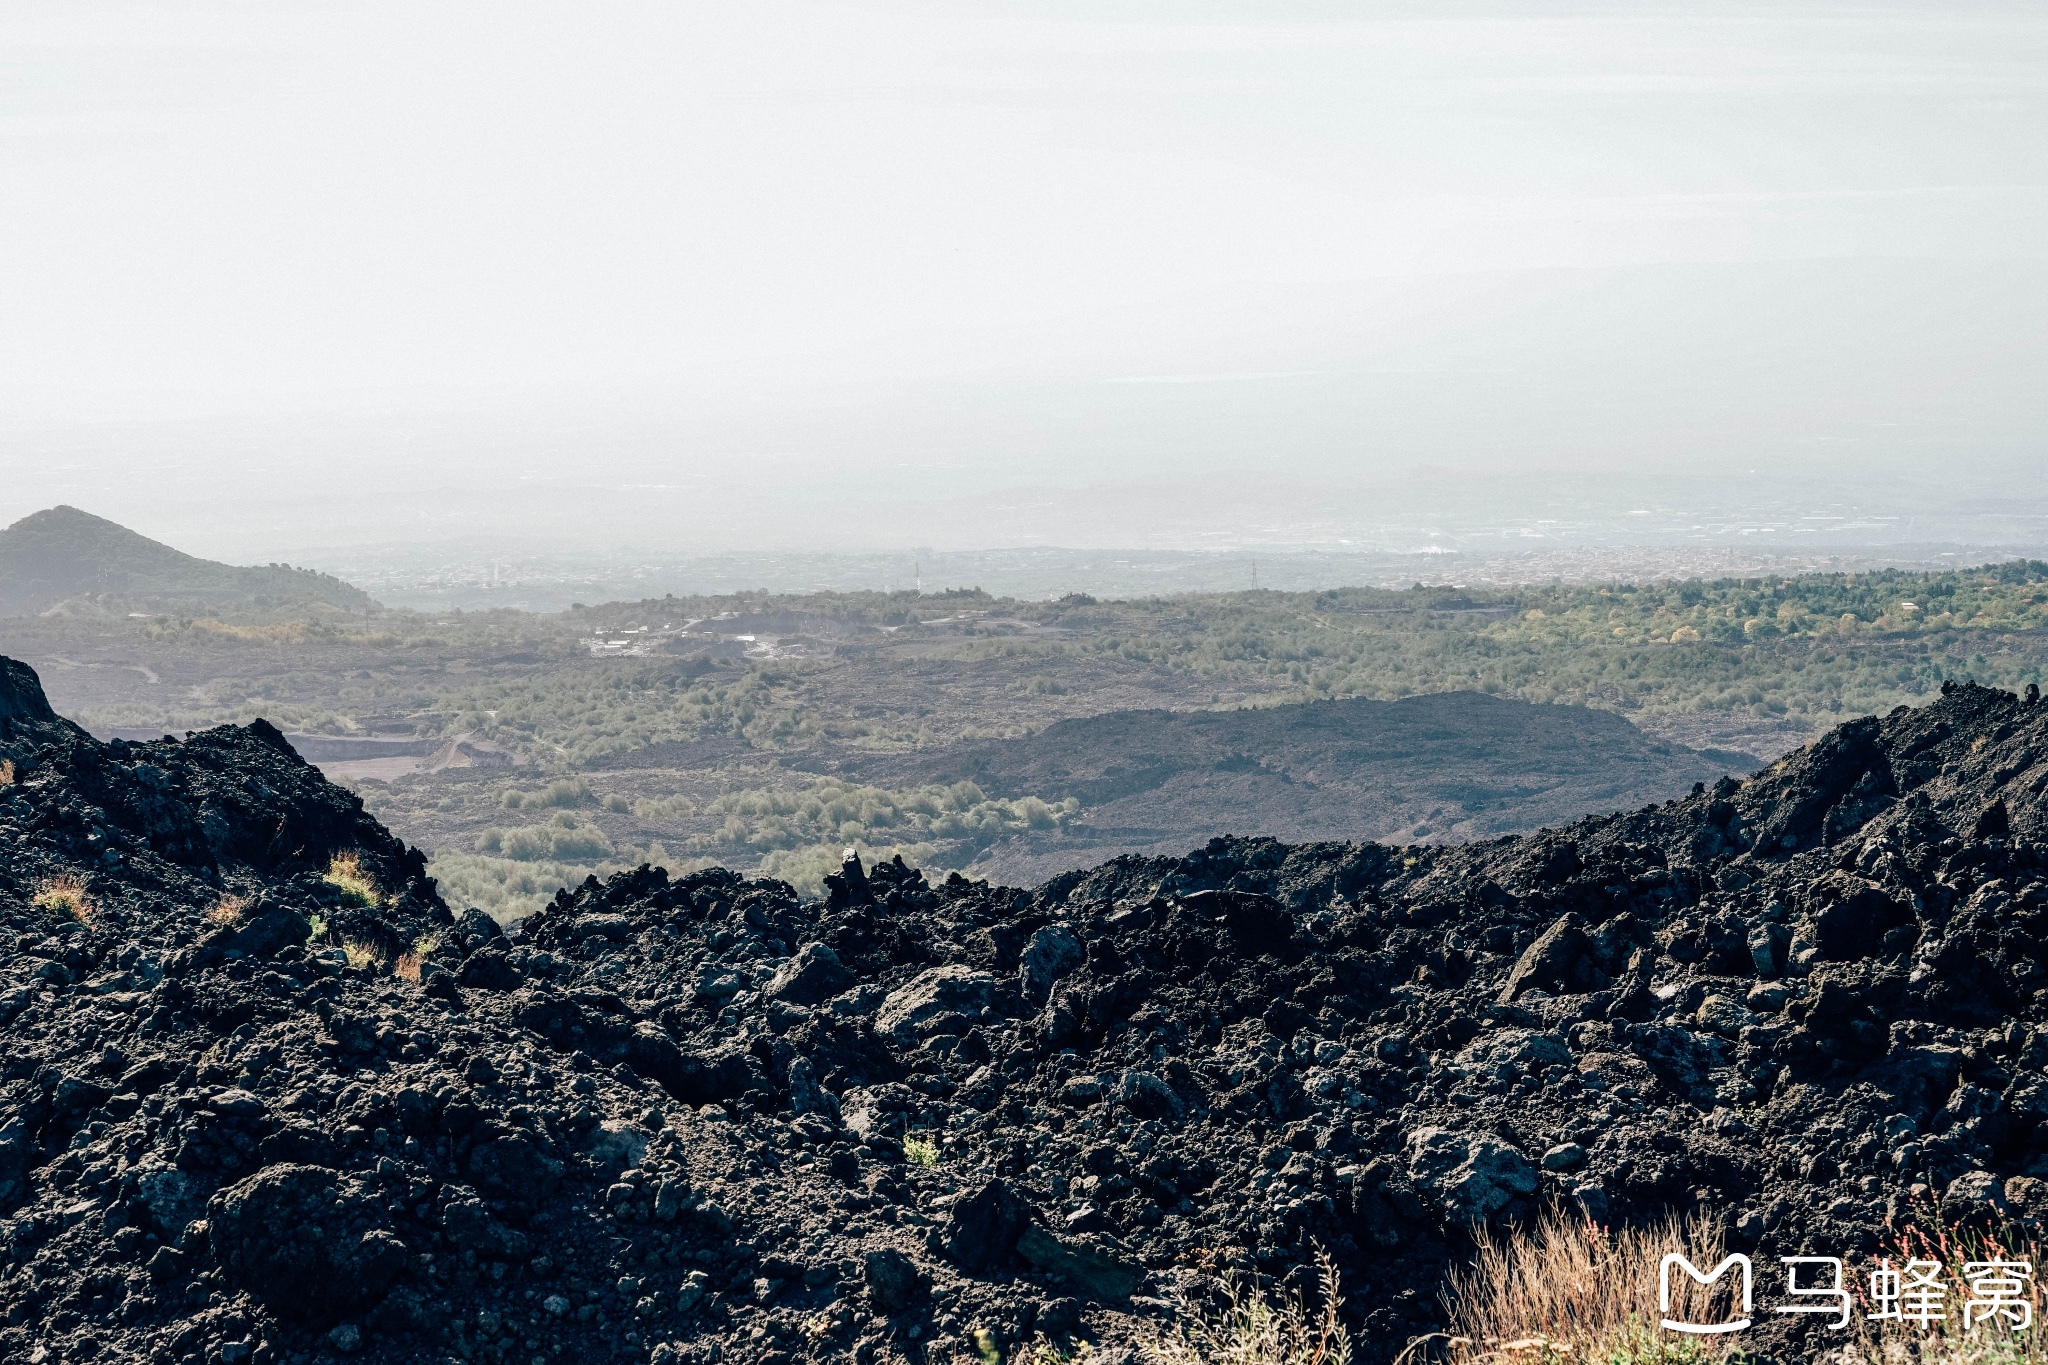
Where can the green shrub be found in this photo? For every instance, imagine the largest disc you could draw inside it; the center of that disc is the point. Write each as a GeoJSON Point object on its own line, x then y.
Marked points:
{"type": "Point", "coordinates": [346, 874]}
{"type": "Point", "coordinates": [664, 808]}
{"type": "Point", "coordinates": [830, 811]}
{"type": "Point", "coordinates": [562, 839]}
{"type": "Point", "coordinates": [505, 889]}
{"type": "Point", "coordinates": [563, 793]}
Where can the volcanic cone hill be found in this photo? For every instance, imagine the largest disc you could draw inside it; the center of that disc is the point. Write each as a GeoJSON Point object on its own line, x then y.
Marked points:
{"type": "Point", "coordinates": [62, 553]}
{"type": "Point", "coordinates": [699, 1119]}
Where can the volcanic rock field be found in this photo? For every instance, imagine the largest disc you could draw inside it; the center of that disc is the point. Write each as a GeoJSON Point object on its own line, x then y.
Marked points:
{"type": "Point", "coordinates": [256, 1110]}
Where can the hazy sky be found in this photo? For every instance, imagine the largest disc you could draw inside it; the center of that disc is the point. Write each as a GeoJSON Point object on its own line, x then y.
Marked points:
{"type": "Point", "coordinates": [743, 271]}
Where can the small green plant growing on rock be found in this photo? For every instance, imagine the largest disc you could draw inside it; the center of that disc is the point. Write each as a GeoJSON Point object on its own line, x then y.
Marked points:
{"type": "Point", "coordinates": [65, 895]}
{"type": "Point", "coordinates": [316, 928]}
{"type": "Point", "coordinates": [920, 1151]}
{"type": "Point", "coordinates": [361, 954]}
{"type": "Point", "coordinates": [346, 874]}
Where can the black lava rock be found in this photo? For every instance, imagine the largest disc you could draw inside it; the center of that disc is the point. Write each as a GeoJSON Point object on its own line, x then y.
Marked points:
{"type": "Point", "coordinates": [813, 975]}
{"type": "Point", "coordinates": [305, 1241]}
{"type": "Point", "coordinates": [1814, 1000]}
{"type": "Point", "coordinates": [985, 1225]}
{"type": "Point", "coordinates": [894, 1283]}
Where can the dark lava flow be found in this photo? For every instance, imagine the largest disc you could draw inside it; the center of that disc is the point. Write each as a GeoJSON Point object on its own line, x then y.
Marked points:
{"type": "Point", "coordinates": [701, 1119]}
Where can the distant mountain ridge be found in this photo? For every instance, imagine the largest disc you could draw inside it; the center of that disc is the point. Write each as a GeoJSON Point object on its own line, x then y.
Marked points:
{"type": "Point", "coordinates": [62, 552]}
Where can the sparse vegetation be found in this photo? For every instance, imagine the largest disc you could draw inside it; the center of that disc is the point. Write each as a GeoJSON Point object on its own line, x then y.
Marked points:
{"type": "Point", "coordinates": [345, 873]}
{"type": "Point", "coordinates": [501, 887]}
{"type": "Point", "coordinates": [1569, 1291]}
{"type": "Point", "coordinates": [1258, 1326]}
{"type": "Point", "coordinates": [839, 813]}
{"type": "Point", "coordinates": [1947, 1341]}
{"type": "Point", "coordinates": [507, 888]}
{"type": "Point", "coordinates": [6, 772]}
{"type": "Point", "coordinates": [1803, 649]}
{"type": "Point", "coordinates": [361, 954]}
{"type": "Point", "coordinates": [805, 868]}
{"type": "Point", "coordinates": [920, 1151]}
{"type": "Point", "coordinates": [560, 794]}
{"type": "Point", "coordinates": [66, 895]}
{"type": "Point", "coordinates": [1046, 1353]}
{"type": "Point", "coordinates": [227, 912]}
{"type": "Point", "coordinates": [316, 928]}
{"type": "Point", "coordinates": [412, 959]}
{"type": "Point", "coordinates": [693, 746]}
{"type": "Point", "coordinates": [665, 808]}
{"type": "Point", "coordinates": [563, 839]}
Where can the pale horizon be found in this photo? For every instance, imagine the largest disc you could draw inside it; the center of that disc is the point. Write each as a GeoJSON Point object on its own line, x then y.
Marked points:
{"type": "Point", "coordinates": [806, 276]}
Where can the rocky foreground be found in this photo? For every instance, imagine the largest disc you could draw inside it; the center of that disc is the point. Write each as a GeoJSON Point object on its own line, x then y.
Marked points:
{"type": "Point", "coordinates": [258, 1107]}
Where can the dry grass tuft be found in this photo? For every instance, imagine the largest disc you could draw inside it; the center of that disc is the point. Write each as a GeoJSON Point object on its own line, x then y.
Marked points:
{"type": "Point", "coordinates": [1045, 1353]}
{"type": "Point", "coordinates": [346, 874]}
{"type": "Point", "coordinates": [227, 912]}
{"type": "Point", "coordinates": [66, 895]}
{"type": "Point", "coordinates": [361, 954]}
{"type": "Point", "coordinates": [1255, 1328]}
{"type": "Point", "coordinates": [409, 963]}
{"type": "Point", "coordinates": [1570, 1291]}
{"type": "Point", "coordinates": [6, 772]}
